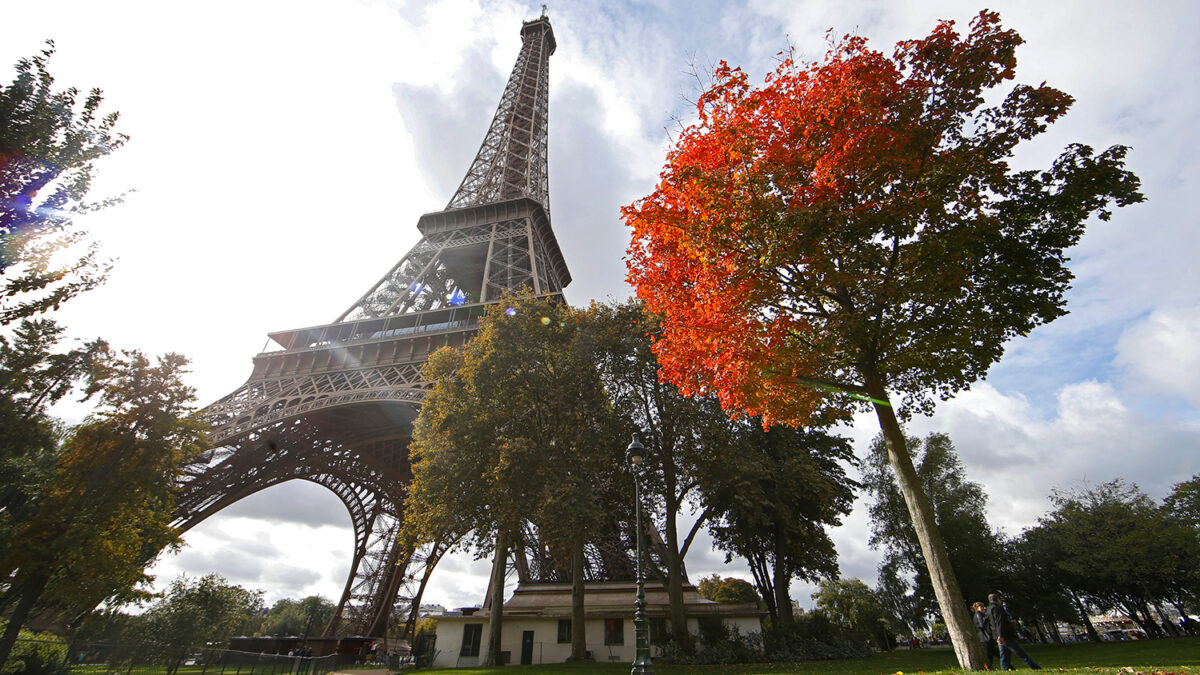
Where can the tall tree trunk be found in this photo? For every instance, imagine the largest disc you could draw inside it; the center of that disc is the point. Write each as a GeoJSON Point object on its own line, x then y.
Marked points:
{"type": "Point", "coordinates": [1087, 622]}
{"type": "Point", "coordinates": [1132, 610]}
{"type": "Point", "coordinates": [30, 592]}
{"type": "Point", "coordinates": [578, 635]}
{"type": "Point", "coordinates": [782, 580]}
{"type": "Point", "coordinates": [496, 601]}
{"type": "Point", "coordinates": [967, 646]}
{"type": "Point", "coordinates": [1052, 629]}
{"type": "Point", "coordinates": [679, 630]}
{"type": "Point", "coordinates": [762, 580]}
{"type": "Point", "coordinates": [1150, 622]}
{"type": "Point", "coordinates": [1172, 631]}
{"type": "Point", "coordinates": [1179, 608]}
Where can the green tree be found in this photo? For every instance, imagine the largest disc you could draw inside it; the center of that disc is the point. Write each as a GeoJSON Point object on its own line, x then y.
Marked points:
{"type": "Point", "coordinates": [856, 226]}
{"type": "Point", "coordinates": [424, 641]}
{"type": "Point", "coordinates": [1183, 504]}
{"type": "Point", "coordinates": [49, 144]}
{"type": "Point", "coordinates": [37, 654]}
{"type": "Point", "coordinates": [298, 617]}
{"type": "Point", "coordinates": [1118, 549]}
{"type": "Point", "coordinates": [772, 495]}
{"type": "Point", "coordinates": [110, 625]}
{"type": "Point", "coordinates": [1036, 591]}
{"type": "Point", "coordinates": [960, 513]}
{"type": "Point", "coordinates": [516, 429]}
{"type": "Point", "coordinates": [729, 590]}
{"type": "Point", "coordinates": [104, 510]}
{"type": "Point", "coordinates": [685, 436]}
{"type": "Point", "coordinates": [35, 373]}
{"type": "Point", "coordinates": [200, 612]}
{"type": "Point", "coordinates": [1182, 507]}
{"type": "Point", "coordinates": [852, 604]}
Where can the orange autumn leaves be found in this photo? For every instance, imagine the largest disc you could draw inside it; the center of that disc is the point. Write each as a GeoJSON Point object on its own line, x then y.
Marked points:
{"type": "Point", "coordinates": [764, 244]}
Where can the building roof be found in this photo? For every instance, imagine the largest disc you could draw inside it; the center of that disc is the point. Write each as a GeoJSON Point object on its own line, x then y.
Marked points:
{"type": "Point", "coordinates": [608, 599]}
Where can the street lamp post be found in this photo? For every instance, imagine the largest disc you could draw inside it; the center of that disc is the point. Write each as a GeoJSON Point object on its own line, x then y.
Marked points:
{"type": "Point", "coordinates": [642, 665]}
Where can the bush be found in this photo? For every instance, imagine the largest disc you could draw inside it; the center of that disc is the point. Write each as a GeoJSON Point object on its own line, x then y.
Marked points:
{"type": "Point", "coordinates": [36, 654]}
{"type": "Point", "coordinates": [423, 647]}
{"type": "Point", "coordinates": [725, 645]}
{"type": "Point", "coordinates": [812, 637]}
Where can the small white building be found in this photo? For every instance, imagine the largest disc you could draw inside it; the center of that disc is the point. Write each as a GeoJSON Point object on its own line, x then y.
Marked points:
{"type": "Point", "coordinates": [537, 623]}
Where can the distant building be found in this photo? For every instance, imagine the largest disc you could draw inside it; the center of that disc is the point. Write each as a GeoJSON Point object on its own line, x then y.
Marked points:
{"type": "Point", "coordinates": [537, 623]}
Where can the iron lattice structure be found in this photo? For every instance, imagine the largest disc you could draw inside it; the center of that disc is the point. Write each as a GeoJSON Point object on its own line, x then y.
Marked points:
{"type": "Point", "coordinates": [334, 404]}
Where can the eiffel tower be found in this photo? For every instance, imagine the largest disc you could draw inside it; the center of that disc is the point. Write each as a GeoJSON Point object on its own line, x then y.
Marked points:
{"type": "Point", "coordinates": [334, 404]}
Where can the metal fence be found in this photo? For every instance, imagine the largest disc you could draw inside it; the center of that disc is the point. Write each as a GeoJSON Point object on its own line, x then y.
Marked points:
{"type": "Point", "coordinates": [103, 659]}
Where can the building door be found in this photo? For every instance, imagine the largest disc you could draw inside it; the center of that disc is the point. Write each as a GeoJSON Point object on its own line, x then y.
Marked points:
{"type": "Point", "coordinates": [527, 648]}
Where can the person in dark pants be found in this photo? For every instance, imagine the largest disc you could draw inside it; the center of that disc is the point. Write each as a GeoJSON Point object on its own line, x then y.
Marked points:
{"type": "Point", "coordinates": [984, 629]}
{"type": "Point", "coordinates": [1006, 638]}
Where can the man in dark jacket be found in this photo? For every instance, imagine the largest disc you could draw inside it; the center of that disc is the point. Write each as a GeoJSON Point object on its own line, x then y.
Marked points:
{"type": "Point", "coordinates": [979, 614]}
{"type": "Point", "coordinates": [1006, 637]}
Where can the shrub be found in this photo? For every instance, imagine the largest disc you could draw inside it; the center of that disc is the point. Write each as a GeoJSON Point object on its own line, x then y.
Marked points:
{"type": "Point", "coordinates": [812, 637]}
{"type": "Point", "coordinates": [36, 654]}
{"type": "Point", "coordinates": [726, 645]}
{"type": "Point", "coordinates": [423, 647]}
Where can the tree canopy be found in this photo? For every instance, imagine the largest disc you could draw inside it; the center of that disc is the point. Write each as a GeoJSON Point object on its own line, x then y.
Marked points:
{"type": "Point", "coordinates": [1183, 504]}
{"type": "Point", "coordinates": [772, 496]}
{"type": "Point", "coordinates": [198, 612]}
{"type": "Point", "coordinates": [100, 507]}
{"type": "Point", "coordinates": [860, 218]}
{"type": "Point", "coordinates": [689, 440]}
{"type": "Point", "coordinates": [852, 604]}
{"type": "Point", "coordinates": [729, 590]}
{"type": "Point", "coordinates": [1113, 546]}
{"type": "Point", "coordinates": [49, 144]}
{"type": "Point", "coordinates": [517, 429]}
{"type": "Point", "coordinates": [856, 226]}
{"type": "Point", "coordinates": [298, 617]}
{"type": "Point", "coordinates": [35, 373]}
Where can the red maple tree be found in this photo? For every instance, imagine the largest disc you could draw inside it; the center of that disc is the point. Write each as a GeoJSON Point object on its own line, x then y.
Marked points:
{"type": "Point", "coordinates": [855, 225]}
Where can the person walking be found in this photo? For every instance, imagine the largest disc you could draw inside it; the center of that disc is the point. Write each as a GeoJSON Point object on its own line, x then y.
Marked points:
{"type": "Point", "coordinates": [984, 629]}
{"type": "Point", "coordinates": [1006, 637]}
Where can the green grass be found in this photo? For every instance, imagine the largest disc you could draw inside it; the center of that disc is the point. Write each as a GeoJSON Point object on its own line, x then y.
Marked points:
{"type": "Point", "coordinates": [1179, 657]}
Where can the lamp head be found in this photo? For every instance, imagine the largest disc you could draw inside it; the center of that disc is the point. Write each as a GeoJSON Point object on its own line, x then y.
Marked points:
{"type": "Point", "coordinates": [636, 452]}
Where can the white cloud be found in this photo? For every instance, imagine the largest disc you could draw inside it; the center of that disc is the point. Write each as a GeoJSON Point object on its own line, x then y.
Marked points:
{"type": "Point", "coordinates": [1161, 353]}
{"type": "Point", "coordinates": [253, 545]}
{"type": "Point", "coordinates": [1019, 454]}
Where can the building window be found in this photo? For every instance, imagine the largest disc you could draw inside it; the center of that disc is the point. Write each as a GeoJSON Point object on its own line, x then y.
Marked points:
{"type": "Point", "coordinates": [614, 631]}
{"type": "Point", "coordinates": [564, 631]}
{"type": "Point", "coordinates": [472, 632]}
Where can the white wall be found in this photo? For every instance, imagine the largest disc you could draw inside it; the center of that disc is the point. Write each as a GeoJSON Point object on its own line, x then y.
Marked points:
{"type": "Point", "coordinates": [546, 648]}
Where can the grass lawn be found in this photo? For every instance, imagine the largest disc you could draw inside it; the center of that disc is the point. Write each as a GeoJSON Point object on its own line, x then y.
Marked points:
{"type": "Point", "coordinates": [1178, 657]}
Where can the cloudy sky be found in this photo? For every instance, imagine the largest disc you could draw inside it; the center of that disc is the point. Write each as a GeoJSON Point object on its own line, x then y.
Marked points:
{"type": "Point", "coordinates": [282, 151]}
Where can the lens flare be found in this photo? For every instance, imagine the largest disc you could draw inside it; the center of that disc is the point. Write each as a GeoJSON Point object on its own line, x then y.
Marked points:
{"type": "Point", "coordinates": [511, 311]}
{"type": "Point", "coordinates": [545, 321]}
